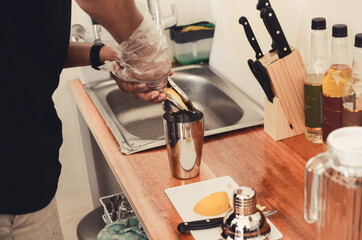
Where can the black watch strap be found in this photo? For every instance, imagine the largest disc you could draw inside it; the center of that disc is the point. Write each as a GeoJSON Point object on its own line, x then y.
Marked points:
{"type": "Point", "coordinates": [94, 55]}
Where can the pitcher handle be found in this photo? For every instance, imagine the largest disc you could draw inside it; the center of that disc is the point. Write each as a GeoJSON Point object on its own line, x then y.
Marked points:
{"type": "Point", "coordinates": [314, 169]}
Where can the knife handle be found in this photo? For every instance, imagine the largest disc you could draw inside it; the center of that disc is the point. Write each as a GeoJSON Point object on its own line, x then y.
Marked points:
{"type": "Point", "coordinates": [268, 92]}
{"type": "Point", "coordinates": [275, 31]}
{"type": "Point", "coordinates": [251, 37]}
{"type": "Point", "coordinates": [262, 4]}
{"type": "Point", "coordinates": [198, 225]}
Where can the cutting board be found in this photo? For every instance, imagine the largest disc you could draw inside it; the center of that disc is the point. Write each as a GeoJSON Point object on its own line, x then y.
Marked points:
{"type": "Point", "coordinates": [185, 197]}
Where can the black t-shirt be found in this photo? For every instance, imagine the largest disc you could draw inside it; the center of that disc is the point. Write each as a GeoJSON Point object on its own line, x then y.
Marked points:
{"type": "Point", "coordinates": [34, 39]}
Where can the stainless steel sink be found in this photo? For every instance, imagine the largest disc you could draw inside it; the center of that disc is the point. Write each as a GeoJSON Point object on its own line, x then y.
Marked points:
{"type": "Point", "coordinates": [137, 125]}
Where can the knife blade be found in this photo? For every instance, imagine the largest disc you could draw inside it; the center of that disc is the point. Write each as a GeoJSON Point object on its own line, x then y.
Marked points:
{"type": "Point", "coordinates": [275, 31]}
{"type": "Point", "coordinates": [207, 223]}
{"type": "Point", "coordinates": [251, 37]}
{"type": "Point", "coordinates": [262, 77]}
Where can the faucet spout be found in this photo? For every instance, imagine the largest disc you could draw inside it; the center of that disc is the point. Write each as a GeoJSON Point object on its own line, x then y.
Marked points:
{"type": "Point", "coordinates": [155, 11]}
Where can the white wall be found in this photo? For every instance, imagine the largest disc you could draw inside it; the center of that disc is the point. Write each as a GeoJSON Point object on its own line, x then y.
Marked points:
{"type": "Point", "coordinates": [337, 11]}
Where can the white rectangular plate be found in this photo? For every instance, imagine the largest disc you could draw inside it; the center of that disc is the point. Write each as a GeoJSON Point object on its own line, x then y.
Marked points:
{"type": "Point", "coordinates": [185, 197]}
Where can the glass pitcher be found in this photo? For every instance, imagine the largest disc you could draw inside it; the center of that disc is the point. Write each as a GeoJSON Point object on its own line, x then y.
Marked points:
{"type": "Point", "coordinates": [333, 187]}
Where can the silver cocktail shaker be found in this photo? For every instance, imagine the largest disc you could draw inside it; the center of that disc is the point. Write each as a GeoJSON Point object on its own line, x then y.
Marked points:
{"type": "Point", "coordinates": [245, 221]}
{"type": "Point", "coordinates": [184, 134]}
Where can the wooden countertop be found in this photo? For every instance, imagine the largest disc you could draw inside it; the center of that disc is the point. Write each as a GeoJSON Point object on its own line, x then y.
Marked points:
{"type": "Point", "coordinates": [274, 169]}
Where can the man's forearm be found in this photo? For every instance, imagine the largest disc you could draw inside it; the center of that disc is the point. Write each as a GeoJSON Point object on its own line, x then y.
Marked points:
{"type": "Point", "coordinates": [79, 54]}
{"type": "Point", "coordinates": [119, 17]}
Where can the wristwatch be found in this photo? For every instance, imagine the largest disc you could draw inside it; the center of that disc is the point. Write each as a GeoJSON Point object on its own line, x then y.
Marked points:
{"type": "Point", "coordinates": [94, 55]}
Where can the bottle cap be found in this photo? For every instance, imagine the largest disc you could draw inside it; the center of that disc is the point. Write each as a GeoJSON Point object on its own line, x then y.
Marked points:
{"type": "Point", "coordinates": [339, 30]}
{"type": "Point", "coordinates": [319, 23]}
{"type": "Point", "coordinates": [358, 40]}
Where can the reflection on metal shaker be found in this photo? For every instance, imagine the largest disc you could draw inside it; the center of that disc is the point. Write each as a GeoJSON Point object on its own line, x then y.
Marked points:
{"type": "Point", "coordinates": [184, 134]}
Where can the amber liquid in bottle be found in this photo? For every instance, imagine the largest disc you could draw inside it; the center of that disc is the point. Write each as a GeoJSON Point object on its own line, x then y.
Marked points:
{"type": "Point", "coordinates": [333, 83]}
{"type": "Point", "coordinates": [352, 117]}
{"type": "Point", "coordinates": [352, 92]}
{"type": "Point", "coordinates": [352, 110]}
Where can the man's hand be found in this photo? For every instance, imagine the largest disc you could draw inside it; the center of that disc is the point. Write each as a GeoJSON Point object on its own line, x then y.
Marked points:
{"type": "Point", "coordinates": [142, 90]}
{"type": "Point", "coordinates": [145, 65]}
{"type": "Point", "coordinates": [142, 57]}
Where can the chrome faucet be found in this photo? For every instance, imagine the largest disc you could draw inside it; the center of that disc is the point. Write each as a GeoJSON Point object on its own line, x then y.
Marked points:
{"type": "Point", "coordinates": [155, 10]}
{"type": "Point", "coordinates": [161, 24]}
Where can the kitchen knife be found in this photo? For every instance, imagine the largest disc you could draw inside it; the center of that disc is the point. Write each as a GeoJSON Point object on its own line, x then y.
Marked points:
{"type": "Point", "coordinates": [275, 31]}
{"type": "Point", "coordinates": [262, 4]}
{"type": "Point", "coordinates": [256, 67]}
{"type": "Point", "coordinates": [207, 223]}
{"type": "Point", "coordinates": [263, 78]}
{"type": "Point", "coordinates": [251, 37]}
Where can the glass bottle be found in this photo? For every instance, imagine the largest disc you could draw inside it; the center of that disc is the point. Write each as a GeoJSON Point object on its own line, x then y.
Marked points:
{"type": "Point", "coordinates": [316, 69]}
{"type": "Point", "coordinates": [334, 80]}
{"type": "Point", "coordinates": [352, 92]}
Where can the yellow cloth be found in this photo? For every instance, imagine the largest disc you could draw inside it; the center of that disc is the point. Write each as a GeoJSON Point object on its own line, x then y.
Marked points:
{"type": "Point", "coordinates": [196, 28]}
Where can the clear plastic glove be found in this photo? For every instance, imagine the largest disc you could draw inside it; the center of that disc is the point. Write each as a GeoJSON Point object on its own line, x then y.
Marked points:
{"type": "Point", "coordinates": [141, 90]}
{"type": "Point", "coordinates": [141, 58]}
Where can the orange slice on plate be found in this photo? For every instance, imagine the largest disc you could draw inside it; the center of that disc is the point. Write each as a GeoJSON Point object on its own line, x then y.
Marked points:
{"type": "Point", "coordinates": [213, 204]}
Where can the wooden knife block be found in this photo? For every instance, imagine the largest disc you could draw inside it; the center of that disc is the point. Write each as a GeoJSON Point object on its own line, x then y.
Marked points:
{"type": "Point", "coordinates": [284, 117]}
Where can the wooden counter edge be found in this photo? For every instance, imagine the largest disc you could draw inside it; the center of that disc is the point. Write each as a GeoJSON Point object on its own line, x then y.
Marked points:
{"type": "Point", "coordinates": [147, 211]}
